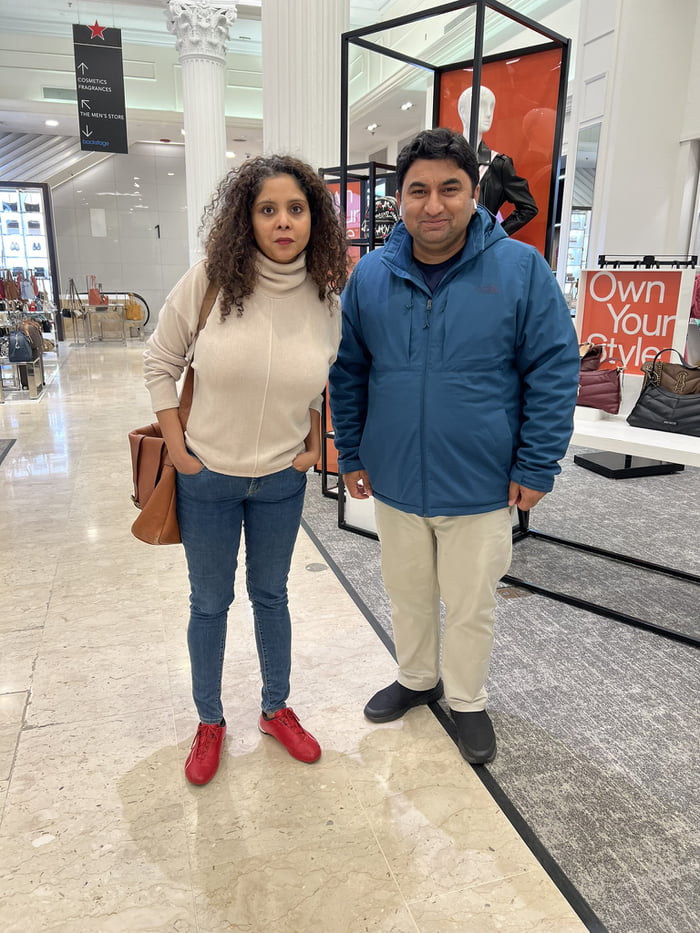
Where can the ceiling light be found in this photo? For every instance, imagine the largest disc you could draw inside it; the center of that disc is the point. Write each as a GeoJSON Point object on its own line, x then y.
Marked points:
{"type": "Point", "coordinates": [230, 155]}
{"type": "Point", "coordinates": [171, 173]}
{"type": "Point", "coordinates": [183, 132]}
{"type": "Point", "coordinates": [407, 105]}
{"type": "Point", "coordinates": [52, 122]}
{"type": "Point", "coordinates": [371, 127]}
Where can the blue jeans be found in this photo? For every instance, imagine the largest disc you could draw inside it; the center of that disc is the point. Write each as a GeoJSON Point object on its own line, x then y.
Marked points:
{"type": "Point", "coordinates": [211, 508]}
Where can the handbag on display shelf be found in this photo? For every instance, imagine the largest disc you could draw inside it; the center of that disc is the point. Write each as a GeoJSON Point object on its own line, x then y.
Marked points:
{"type": "Point", "coordinates": [153, 472]}
{"type": "Point", "coordinates": [132, 309]}
{"type": "Point", "coordinates": [20, 349]}
{"type": "Point", "coordinates": [666, 409]}
{"type": "Point", "coordinates": [95, 296]}
{"type": "Point", "coordinates": [601, 389]}
{"type": "Point", "coordinates": [10, 288]}
{"type": "Point", "coordinates": [591, 355]}
{"type": "Point", "coordinates": [680, 378]}
{"type": "Point", "coordinates": [598, 388]}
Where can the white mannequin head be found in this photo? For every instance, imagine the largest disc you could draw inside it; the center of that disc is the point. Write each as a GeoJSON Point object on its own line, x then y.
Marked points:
{"type": "Point", "coordinates": [487, 104]}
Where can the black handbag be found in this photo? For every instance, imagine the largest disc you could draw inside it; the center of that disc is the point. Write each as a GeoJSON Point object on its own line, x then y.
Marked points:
{"type": "Point", "coordinates": [661, 409]}
{"type": "Point", "coordinates": [20, 348]}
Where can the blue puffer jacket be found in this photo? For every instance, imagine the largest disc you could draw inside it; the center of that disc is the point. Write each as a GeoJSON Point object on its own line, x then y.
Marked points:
{"type": "Point", "coordinates": [444, 399]}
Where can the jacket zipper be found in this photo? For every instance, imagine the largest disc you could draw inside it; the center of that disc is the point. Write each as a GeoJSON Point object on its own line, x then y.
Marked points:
{"type": "Point", "coordinates": [424, 478]}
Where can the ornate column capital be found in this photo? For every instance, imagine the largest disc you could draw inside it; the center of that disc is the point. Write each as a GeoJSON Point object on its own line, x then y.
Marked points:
{"type": "Point", "coordinates": [201, 29]}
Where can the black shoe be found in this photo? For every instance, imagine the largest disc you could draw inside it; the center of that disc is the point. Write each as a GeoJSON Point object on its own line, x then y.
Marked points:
{"type": "Point", "coordinates": [476, 738]}
{"type": "Point", "coordinates": [395, 700]}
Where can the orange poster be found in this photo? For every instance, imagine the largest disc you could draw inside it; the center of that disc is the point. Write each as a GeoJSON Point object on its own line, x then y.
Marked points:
{"type": "Point", "coordinates": [522, 92]}
{"type": "Point", "coordinates": [632, 313]}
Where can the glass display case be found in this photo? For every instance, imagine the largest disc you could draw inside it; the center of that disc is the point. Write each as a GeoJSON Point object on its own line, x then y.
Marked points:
{"type": "Point", "coordinates": [577, 253]}
{"type": "Point", "coordinates": [27, 250]}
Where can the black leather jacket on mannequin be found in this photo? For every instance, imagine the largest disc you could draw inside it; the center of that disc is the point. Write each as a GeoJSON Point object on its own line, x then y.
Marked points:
{"type": "Point", "coordinates": [500, 184]}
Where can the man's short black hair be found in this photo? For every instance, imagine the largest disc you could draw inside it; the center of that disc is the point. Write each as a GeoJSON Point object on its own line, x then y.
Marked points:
{"type": "Point", "coordinates": [439, 143]}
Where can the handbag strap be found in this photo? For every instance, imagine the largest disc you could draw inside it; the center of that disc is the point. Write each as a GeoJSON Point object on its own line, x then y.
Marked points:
{"type": "Point", "coordinates": [188, 387]}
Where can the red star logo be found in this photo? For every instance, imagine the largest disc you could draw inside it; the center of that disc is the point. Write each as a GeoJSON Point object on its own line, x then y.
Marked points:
{"type": "Point", "coordinates": [96, 31]}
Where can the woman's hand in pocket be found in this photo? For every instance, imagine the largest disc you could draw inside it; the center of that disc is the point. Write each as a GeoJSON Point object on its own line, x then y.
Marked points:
{"type": "Point", "coordinates": [188, 465]}
{"type": "Point", "coordinates": [304, 461]}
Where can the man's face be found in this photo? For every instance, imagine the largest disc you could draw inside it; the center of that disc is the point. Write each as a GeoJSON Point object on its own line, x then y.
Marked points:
{"type": "Point", "coordinates": [437, 203]}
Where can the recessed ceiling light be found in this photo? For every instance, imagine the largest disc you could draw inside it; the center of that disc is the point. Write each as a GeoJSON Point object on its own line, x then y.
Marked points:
{"type": "Point", "coordinates": [407, 105]}
{"type": "Point", "coordinates": [230, 155]}
{"type": "Point", "coordinates": [52, 122]}
{"type": "Point", "coordinates": [372, 127]}
{"type": "Point", "coordinates": [171, 173]}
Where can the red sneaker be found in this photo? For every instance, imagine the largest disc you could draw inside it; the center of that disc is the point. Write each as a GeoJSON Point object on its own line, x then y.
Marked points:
{"type": "Point", "coordinates": [286, 728]}
{"type": "Point", "coordinates": [203, 760]}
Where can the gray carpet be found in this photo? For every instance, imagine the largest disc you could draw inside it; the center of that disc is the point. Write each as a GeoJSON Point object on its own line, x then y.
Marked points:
{"type": "Point", "coordinates": [598, 722]}
{"type": "Point", "coordinates": [5, 445]}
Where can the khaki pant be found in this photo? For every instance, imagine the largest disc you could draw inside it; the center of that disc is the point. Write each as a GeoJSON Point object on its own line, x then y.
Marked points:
{"type": "Point", "coordinates": [461, 559]}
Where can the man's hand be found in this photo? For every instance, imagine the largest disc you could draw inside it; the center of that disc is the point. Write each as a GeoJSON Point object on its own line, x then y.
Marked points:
{"type": "Point", "coordinates": [524, 498]}
{"type": "Point", "coordinates": [357, 484]}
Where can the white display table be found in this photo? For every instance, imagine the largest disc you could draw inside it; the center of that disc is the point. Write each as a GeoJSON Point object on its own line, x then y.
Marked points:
{"type": "Point", "coordinates": [616, 435]}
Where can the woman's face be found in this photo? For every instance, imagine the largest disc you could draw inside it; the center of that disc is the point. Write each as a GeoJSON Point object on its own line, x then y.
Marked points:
{"type": "Point", "coordinates": [281, 219]}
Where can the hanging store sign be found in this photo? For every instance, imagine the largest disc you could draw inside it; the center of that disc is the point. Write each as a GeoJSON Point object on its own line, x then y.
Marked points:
{"type": "Point", "coordinates": [99, 79]}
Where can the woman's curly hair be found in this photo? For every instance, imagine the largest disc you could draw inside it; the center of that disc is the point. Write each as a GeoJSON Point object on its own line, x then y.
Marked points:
{"type": "Point", "coordinates": [230, 243]}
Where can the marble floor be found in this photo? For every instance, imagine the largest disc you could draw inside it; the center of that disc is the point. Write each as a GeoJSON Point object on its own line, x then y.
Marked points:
{"type": "Point", "coordinates": [101, 833]}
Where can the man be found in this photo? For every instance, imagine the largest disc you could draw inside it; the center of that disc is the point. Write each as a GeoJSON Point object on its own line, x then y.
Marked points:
{"type": "Point", "coordinates": [452, 400]}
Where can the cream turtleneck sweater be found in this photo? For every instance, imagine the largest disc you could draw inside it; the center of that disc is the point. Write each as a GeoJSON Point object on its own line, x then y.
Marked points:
{"type": "Point", "coordinates": [256, 376]}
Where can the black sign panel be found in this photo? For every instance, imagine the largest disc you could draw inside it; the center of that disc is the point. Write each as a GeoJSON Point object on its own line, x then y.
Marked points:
{"type": "Point", "coordinates": [99, 78]}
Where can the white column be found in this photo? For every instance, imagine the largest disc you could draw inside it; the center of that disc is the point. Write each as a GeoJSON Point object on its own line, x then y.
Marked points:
{"type": "Point", "coordinates": [301, 78]}
{"type": "Point", "coordinates": [201, 31]}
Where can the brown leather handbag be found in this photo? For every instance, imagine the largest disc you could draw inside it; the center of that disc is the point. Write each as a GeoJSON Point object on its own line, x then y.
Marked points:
{"type": "Point", "coordinates": [154, 473]}
{"type": "Point", "coordinates": [679, 378]}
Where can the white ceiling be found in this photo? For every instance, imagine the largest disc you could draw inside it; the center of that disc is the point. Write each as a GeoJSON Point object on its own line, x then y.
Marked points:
{"type": "Point", "coordinates": [143, 22]}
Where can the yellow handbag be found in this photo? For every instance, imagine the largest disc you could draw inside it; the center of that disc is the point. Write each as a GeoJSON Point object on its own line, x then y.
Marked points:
{"type": "Point", "coordinates": [133, 310]}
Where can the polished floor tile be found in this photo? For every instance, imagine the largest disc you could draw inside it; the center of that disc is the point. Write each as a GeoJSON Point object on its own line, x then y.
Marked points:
{"type": "Point", "coordinates": [100, 831]}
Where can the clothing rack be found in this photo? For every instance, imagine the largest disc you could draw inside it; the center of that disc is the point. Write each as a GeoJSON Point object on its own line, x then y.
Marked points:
{"type": "Point", "coordinates": [647, 262]}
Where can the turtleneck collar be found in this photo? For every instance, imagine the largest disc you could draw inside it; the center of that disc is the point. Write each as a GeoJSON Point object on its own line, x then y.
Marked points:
{"type": "Point", "coordinates": [277, 278]}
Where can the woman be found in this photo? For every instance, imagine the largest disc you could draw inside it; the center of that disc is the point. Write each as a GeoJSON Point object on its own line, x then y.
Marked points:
{"type": "Point", "coordinates": [277, 251]}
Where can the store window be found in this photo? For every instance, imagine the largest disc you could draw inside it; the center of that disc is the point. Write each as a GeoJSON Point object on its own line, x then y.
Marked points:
{"type": "Point", "coordinates": [581, 206]}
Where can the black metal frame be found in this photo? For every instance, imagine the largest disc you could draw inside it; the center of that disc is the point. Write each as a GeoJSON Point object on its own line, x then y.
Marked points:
{"type": "Point", "coordinates": [368, 174]}
{"type": "Point", "coordinates": [523, 531]}
{"type": "Point", "coordinates": [346, 526]}
{"type": "Point", "coordinates": [357, 37]}
{"type": "Point", "coordinates": [647, 262]}
{"type": "Point", "coordinates": [330, 492]}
